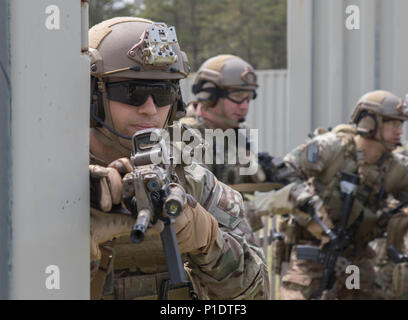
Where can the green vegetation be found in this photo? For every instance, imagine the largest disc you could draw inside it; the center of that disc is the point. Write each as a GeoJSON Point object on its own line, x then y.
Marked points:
{"type": "Point", "coordinates": [254, 30]}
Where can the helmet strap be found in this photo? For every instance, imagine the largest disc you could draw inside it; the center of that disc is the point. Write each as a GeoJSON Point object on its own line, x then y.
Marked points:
{"type": "Point", "coordinates": [387, 145]}
{"type": "Point", "coordinates": [112, 136]}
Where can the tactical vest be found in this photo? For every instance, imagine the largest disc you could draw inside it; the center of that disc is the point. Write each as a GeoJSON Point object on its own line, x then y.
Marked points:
{"type": "Point", "coordinates": [376, 180]}
{"type": "Point", "coordinates": [139, 271]}
{"type": "Point", "coordinates": [130, 271]}
{"type": "Point", "coordinates": [225, 172]}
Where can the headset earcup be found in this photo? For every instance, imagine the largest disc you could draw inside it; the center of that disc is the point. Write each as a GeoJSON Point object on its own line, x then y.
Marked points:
{"type": "Point", "coordinates": [212, 91]}
{"type": "Point", "coordinates": [195, 88]}
{"type": "Point", "coordinates": [215, 94]}
{"type": "Point", "coordinates": [367, 125]}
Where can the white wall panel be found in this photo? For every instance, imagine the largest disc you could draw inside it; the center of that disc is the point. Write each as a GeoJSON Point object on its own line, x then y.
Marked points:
{"type": "Point", "coordinates": [50, 143]}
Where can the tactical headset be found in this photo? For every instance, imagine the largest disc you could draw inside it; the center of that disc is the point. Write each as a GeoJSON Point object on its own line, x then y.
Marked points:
{"type": "Point", "coordinates": [367, 124]}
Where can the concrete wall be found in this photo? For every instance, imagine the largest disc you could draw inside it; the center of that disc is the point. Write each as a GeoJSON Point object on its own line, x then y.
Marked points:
{"type": "Point", "coordinates": [49, 150]}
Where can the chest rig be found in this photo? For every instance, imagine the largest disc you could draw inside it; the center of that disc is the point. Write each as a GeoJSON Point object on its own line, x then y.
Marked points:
{"type": "Point", "coordinates": [371, 194]}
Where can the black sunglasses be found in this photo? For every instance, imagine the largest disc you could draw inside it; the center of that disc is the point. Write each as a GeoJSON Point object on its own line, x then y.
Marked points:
{"type": "Point", "coordinates": [136, 92]}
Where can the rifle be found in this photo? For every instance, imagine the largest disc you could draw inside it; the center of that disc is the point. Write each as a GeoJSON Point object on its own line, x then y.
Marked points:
{"type": "Point", "coordinates": [387, 215]}
{"type": "Point", "coordinates": [339, 238]}
{"type": "Point", "coordinates": [396, 256]}
{"type": "Point", "coordinates": [152, 192]}
{"type": "Point", "coordinates": [274, 168]}
{"type": "Point", "coordinates": [392, 252]}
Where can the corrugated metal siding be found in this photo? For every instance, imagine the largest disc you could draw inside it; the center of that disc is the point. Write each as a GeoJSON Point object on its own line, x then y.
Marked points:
{"type": "Point", "coordinates": [267, 113]}
{"type": "Point", "coordinates": [330, 67]}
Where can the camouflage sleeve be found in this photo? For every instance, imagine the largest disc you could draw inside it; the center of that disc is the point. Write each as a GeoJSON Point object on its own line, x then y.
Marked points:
{"type": "Point", "coordinates": [234, 268]}
{"type": "Point", "coordinates": [310, 160]}
{"type": "Point", "coordinates": [397, 176]}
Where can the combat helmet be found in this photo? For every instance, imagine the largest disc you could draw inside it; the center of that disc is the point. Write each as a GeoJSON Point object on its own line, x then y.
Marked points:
{"type": "Point", "coordinates": [223, 76]}
{"type": "Point", "coordinates": [132, 49]}
{"type": "Point", "coordinates": [373, 109]}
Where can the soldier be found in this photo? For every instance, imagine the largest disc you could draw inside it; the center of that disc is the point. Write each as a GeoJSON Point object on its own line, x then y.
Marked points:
{"type": "Point", "coordinates": [363, 149]}
{"type": "Point", "coordinates": [223, 86]}
{"type": "Point", "coordinates": [136, 66]}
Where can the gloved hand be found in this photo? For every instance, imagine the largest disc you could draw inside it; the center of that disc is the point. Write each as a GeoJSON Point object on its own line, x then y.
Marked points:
{"type": "Point", "coordinates": [316, 205]}
{"type": "Point", "coordinates": [106, 183]}
{"type": "Point", "coordinates": [196, 229]}
{"type": "Point", "coordinates": [106, 226]}
{"type": "Point", "coordinates": [274, 201]}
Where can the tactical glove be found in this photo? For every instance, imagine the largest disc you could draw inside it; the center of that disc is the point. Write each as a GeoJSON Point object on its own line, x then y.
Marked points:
{"type": "Point", "coordinates": [106, 183]}
{"type": "Point", "coordinates": [316, 205]}
{"type": "Point", "coordinates": [196, 228]}
{"type": "Point", "coordinates": [107, 226]}
{"type": "Point", "coordinates": [274, 202]}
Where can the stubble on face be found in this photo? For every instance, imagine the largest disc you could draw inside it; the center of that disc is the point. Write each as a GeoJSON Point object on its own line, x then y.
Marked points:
{"type": "Point", "coordinates": [235, 111]}
{"type": "Point", "coordinates": [128, 119]}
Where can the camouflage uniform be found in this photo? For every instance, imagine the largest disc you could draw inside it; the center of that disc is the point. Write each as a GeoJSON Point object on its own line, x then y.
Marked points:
{"type": "Point", "coordinates": [221, 79]}
{"type": "Point", "coordinates": [400, 271]}
{"type": "Point", "coordinates": [387, 275]}
{"type": "Point", "coordinates": [392, 277]}
{"type": "Point", "coordinates": [383, 268]}
{"type": "Point", "coordinates": [397, 234]}
{"type": "Point", "coordinates": [130, 55]}
{"type": "Point", "coordinates": [235, 269]}
{"type": "Point", "coordinates": [227, 173]}
{"type": "Point", "coordinates": [230, 173]}
{"type": "Point", "coordinates": [319, 163]}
